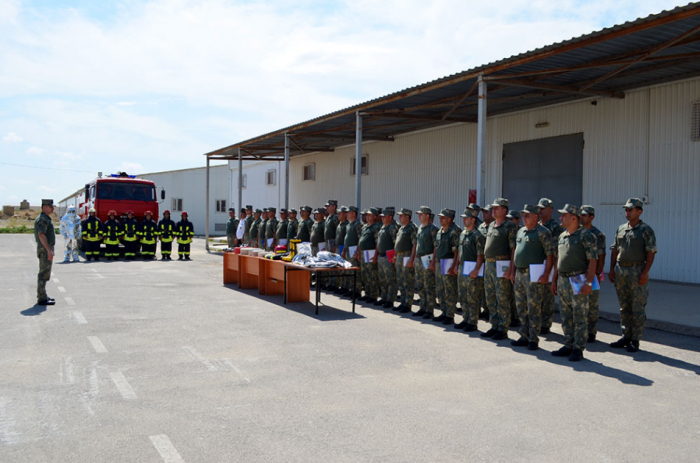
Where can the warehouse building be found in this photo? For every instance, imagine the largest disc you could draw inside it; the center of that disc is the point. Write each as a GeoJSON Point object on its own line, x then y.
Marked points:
{"type": "Point", "coordinates": [593, 120]}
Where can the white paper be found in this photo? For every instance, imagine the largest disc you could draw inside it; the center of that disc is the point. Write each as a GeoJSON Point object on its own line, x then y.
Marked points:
{"type": "Point", "coordinates": [240, 230]}
{"type": "Point", "coordinates": [322, 246]}
{"type": "Point", "coordinates": [405, 260]}
{"type": "Point", "coordinates": [351, 251]}
{"type": "Point", "coordinates": [446, 265]}
{"type": "Point", "coordinates": [269, 242]}
{"type": "Point", "coordinates": [426, 260]}
{"type": "Point", "coordinates": [368, 255]}
{"type": "Point", "coordinates": [283, 242]}
{"type": "Point", "coordinates": [502, 268]}
{"type": "Point", "coordinates": [469, 268]}
{"type": "Point", "coordinates": [537, 270]}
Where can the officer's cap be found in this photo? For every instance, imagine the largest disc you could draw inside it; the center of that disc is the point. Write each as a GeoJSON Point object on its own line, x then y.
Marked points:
{"type": "Point", "coordinates": [545, 202]}
{"type": "Point", "coordinates": [634, 202]}
{"type": "Point", "coordinates": [405, 211]}
{"type": "Point", "coordinates": [265, 209]}
{"type": "Point", "coordinates": [352, 209]}
{"type": "Point", "coordinates": [230, 209]}
{"type": "Point", "coordinates": [587, 210]}
{"type": "Point", "coordinates": [343, 209]}
{"type": "Point", "coordinates": [530, 209]}
{"type": "Point", "coordinates": [258, 211]}
{"type": "Point", "coordinates": [388, 211]}
{"type": "Point", "coordinates": [487, 208]}
{"type": "Point", "coordinates": [47, 202]}
{"type": "Point", "coordinates": [570, 209]}
{"type": "Point", "coordinates": [271, 209]}
{"type": "Point", "coordinates": [513, 214]}
{"type": "Point", "coordinates": [469, 212]}
{"type": "Point", "coordinates": [332, 202]}
{"type": "Point", "coordinates": [319, 210]}
{"type": "Point", "coordinates": [424, 210]}
{"type": "Point", "coordinates": [306, 208]}
{"type": "Point", "coordinates": [372, 210]}
{"type": "Point", "coordinates": [474, 207]}
{"type": "Point", "coordinates": [292, 211]}
{"type": "Point", "coordinates": [249, 207]}
{"type": "Point", "coordinates": [500, 202]}
{"type": "Point", "coordinates": [447, 213]}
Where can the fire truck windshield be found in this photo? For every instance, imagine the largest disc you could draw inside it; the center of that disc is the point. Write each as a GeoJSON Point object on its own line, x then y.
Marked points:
{"type": "Point", "coordinates": [125, 191]}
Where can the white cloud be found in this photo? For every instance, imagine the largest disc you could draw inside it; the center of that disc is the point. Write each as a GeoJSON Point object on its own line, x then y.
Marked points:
{"type": "Point", "coordinates": [35, 151]}
{"type": "Point", "coordinates": [47, 189]}
{"type": "Point", "coordinates": [12, 138]}
{"type": "Point", "coordinates": [131, 167]}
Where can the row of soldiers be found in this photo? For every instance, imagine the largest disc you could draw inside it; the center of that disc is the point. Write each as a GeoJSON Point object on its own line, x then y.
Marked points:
{"type": "Point", "coordinates": [134, 235]}
{"type": "Point", "coordinates": [487, 265]}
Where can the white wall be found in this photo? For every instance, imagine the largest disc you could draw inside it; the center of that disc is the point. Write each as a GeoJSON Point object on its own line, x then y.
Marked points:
{"type": "Point", "coordinates": [257, 193]}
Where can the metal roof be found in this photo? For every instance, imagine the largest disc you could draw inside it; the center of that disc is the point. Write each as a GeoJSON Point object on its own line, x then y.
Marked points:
{"type": "Point", "coordinates": [659, 48]}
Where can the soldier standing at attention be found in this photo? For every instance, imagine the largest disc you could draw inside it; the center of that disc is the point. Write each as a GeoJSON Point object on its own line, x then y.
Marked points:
{"type": "Point", "coordinates": [92, 235]}
{"type": "Point", "coordinates": [166, 233]}
{"type": "Point", "coordinates": [576, 256]}
{"type": "Point", "coordinates": [387, 268]}
{"type": "Point", "coordinates": [470, 286]}
{"type": "Point", "coordinates": [514, 216]}
{"type": "Point", "coordinates": [446, 243]}
{"type": "Point", "coordinates": [533, 246]}
{"type": "Point", "coordinates": [281, 232]}
{"type": "Point", "coordinates": [317, 231]}
{"type": "Point", "coordinates": [406, 243]}
{"type": "Point", "coordinates": [343, 283]}
{"type": "Point", "coordinates": [185, 232]}
{"type": "Point", "coordinates": [587, 216]}
{"type": "Point", "coordinates": [330, 231]}
{"type": "Point", "coordinates": [255, 228]}
{"type": "Point", "coordinates": [271, 228]}
{"type": "Point", "coordinates": [45, 236]}
{"type": "Point", "coordinates": [483, 228]}
{"type": "Point", "coordinates": [130, 237]}
{"type": "Point", "coordinates": [305, 225]}
{"type": "Point", "coordinates": [546, 209]}
{"type": "Point", "coordinates": [248, 224]}
{"type": "Point", "coordinates": [148, 233]}
{"type": "Point", "coordinates": [112, 232]}
{"type": "Point", "coordinates": [633, 251]}
{"type": "Point", "coordinates": [292, 225]}
{"type": "Point", "coordinates": [262, 229]}
{"type": "Point", "coordinates": [231, 227]}
{"type": "Point", "coordinates": [421, 258]}
{"type": "Point", "coordinates": [500, 246]}
{"type": "Point", "coordinates": [240, 231]}
{"type": "Point", "coordinates": [368, 242]}
{"type": "Point", "coordinates": [352, 239]}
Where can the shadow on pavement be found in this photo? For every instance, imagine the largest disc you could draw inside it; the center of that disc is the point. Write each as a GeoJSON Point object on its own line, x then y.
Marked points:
{"type": "Point", "coordinates": [32, 311]}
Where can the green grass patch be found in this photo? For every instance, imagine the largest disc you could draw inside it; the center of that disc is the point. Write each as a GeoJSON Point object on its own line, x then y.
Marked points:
{"type": "Point", "coordinates": [20, 229]}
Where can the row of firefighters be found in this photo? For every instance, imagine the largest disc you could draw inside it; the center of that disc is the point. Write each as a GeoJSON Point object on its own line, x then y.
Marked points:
{"type": "Point", "coordinates": [132, 234]}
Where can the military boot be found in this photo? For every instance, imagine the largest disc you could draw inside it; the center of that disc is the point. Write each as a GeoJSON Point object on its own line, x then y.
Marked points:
{"type": "Point", "coordinates": [563, 352]}
{"type": "Point", "coordinates": [633, 346]}
{"type": "Point", "coordinates": [576, 355]}
{"type": "Point", "coordinates": [620, 343]}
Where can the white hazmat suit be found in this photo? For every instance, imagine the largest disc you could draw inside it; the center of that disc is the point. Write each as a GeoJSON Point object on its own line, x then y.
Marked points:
{"type": "Point", "coordinates": [70, 229]}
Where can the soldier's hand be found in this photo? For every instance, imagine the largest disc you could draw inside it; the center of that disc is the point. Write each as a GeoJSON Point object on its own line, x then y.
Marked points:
{"type": "Point", "coordinates": [586, 289]}
{"type": "Point", "coordinates": [49, 254]}
{"type": "Point", "coordinates": [611, 276]}
{"type": "Point", "coordinates": [409, 264]}
{"type": "Point", "coordinates": [374, 259]}
{"type": "Point", "coordinates": [432, 265]}
{"type": "Point", "coordinates": [511, 277]}
{"type": "Point", "coordinates": [474, 274]}
{"type": "Point", "coordinates": [554, 288]}
{"type": "Point", "coordinates": [542, 279]}
{"type": "Point", "coordinates": [643, 278]}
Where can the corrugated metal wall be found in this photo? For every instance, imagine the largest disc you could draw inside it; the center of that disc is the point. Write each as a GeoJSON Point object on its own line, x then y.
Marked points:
{"type": "Point", "coordinates": [638, 146]}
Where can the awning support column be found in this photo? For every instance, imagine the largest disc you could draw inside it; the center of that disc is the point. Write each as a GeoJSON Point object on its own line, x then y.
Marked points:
{"type": "Point", "coordinates": [481, 145]}
{"type": "Point", "coordinates": [206, 227]}
{"type": "Point", "coordinates": [286, 170]}
{"type": "Point", "coordinates": [358, 162]}
{"type": "Point", "coordinates": [240, 180]}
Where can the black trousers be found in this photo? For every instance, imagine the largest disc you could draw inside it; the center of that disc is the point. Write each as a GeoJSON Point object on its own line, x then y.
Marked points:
{"type": "Point", "coordinates": [148, 251]}
{"type": "Point", "coordinates": [112, 250]}
{"type": "Point", "coordinates": [131, 248]}
{"type": "Point", "coordinates": [166, 248]}
{"type": "Point", "coordinates": [183, 249]}
{"type": "Point", "coordinates": [92, 248]}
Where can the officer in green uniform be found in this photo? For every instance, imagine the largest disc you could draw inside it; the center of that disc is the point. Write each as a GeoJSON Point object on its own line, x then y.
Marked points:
{"type": "Point", "coordinates": [231, 227]}
{"type": "Point", "coordinates": [262, 229]}
{"type": "Point", "coordinates": [405, 247]}
{"type": "Point", "coordinates": [271, 228]}
{"type": "Point", "coordinates": [305, 225]}
{"type": "Point", "coordinates": [45, 236]}
{"type": "Point", "coordinates": [386, 266]}
{"type": "Point", "coordinates": [368, 242]}
{"type": "Point", "coordinates": [500, 246]}
{"type": "Point", "coordinates": [292, 224]}
{"type": "Point", "coordinates": [470, 286]}
{"type": "Point", "coordinates": [577, 258]}
{"type": "Point", "coordinates": [247, 241]}
{"type": "Point", "coordinates": [330, 231]}
{"type": "Point", "coordinates": [255, 227]}
{"type": "Point", "coordinates": [483, 228]}
{"type": "Point", "coordinates": [350, 247]}
{"type": "Point", "coordinates": [633, 251]}
{"type": "Point", "coordinates": [340, 232]}
{"type": "Point", "coordinates": [546, 209]}
{"type": "Point", "coordinates": [421, 260]}
{"type": "Point", "coordinates": [317, 231]}
{"type": "Point", "coordinates": [282, 227]}
{"type": "Point", "coordinates": [587, 216]}
{"type": "Point", "coordinates": [533, 246]}
{"type": "Point", "coordinates": [446, 243]}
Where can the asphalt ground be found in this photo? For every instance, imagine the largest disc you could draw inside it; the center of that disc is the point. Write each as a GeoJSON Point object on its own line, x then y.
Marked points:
{"type": "Point", "coordinates": [158, 361]}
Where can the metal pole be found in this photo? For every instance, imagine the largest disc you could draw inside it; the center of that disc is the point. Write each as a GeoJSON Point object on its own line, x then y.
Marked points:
{"type": "Point", "coordinates": [286, 170]}
{"type": "Point", "coordinates": [358, 161]}
{"type": "Point", "coordinates": [240, 180]}
{"type": "Point", "coordinates": [481, 145]}
{"type": "Point", "coordinates": [206, 227]}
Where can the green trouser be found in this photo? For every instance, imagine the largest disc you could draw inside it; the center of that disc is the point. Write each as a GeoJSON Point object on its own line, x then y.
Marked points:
{"type": "Point", "coordinates": [548, 310]}
{"type": "Point", "coordinates": [529, 297]}
{"type": "Point", "coordinates": [370, 279]}
{"type": "Point", "coordinates": [499, 292]}
{"type": "Point", "coordinates": [593, 312]}
{"type": "Point", "coordinates": [229, 240]}
{"type": "Point", "coordinates": [387, 280]}
{"type": "Point", "coordinates": [633, 301]}
{"type": "Point", "coordinates": [347, 281]}
{"type": "Point", "coordinates": [44, 273]}
{"type": "Point", "coordinates": [425, 286]}
{"type": "Point", "coordinates": [406, 278]}
{"type": "Point", "coordinates": [574, 310]}
{"type": "Point", "coordinates": [446, 291]}
{"type": "Point", "coordinates": [470, 290]}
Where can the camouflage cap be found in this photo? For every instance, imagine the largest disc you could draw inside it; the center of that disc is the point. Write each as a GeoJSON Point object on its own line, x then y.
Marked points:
{"type": "Point", "coordinates": [306, 208]}
{"type": "Point", "coordinates": [265, 209]}
{"type": "Point", "coordinates": [283, 211]}
{"type": "Point", "coordinates": [530, 209]}
{"type": "Point", "coordinates": [231, 209]}
{"type": "Point", "coordinates": [588, 210]}
{"type": "Point", "coordinates": [447, 213]}
{"type": "Point", "coordinates": [271, 209]}
{"type": "Point", "coordinates": [292, 211]}
{"type": "Point", "coordinates": [469, 212]}
{"type": "Point", "coordinates": [474, 207]}
{"type": "Point", "coordinates": [500, 202]}
{"type": "Point", "coordinates": [379, 210]}
{"type": "Point", "coordinates": [405, 211]}
{"type": "Point", "coordinates": [372, 210]}
{"type": "Point", "coordinates": [47, 202]}
{"type": "Point", "coordinates": [319, 210]}
{"type": "Point", "coordinates": [332, 202]}
{"type": "Point", "coordinates": [545, 202]}
{"type": "Point", "coordinates": [249, 207]}
{"type": "Point", "coordinates": [634, 202]}
{"type": "Point", "coordinates": [258, 211]}
{"type": "Point", "coordinates": [352, 209]}
{"type": "Point", "coordinates": [424, 210]}
{"type": "Point", "coordinates": [570, 209]}
{"type": "Point", "coordinates": [487, 208]}
{"type": "Point", "coordinates": [513, 214]}
{"type": "Point", "coordinates": [388, 211]}
{"type": "Point", "coordinates": [343, 209]}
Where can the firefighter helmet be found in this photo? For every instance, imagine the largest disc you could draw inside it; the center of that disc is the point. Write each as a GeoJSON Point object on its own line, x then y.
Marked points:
{"type": "Point", "coordinates": [148, 213]}
{"type": "Point", "coordinates": [184, 213]}
{"type": "Point", "coordinates": [280, 249]}
{"type": "Point", "coordinates": [92, 209]}
{"type": "Point", "coordinates": [166, 212]}
{"type": "Point", "coordinates": [129, 212]}
{"type": "Point", "coordinates": [112, 212]}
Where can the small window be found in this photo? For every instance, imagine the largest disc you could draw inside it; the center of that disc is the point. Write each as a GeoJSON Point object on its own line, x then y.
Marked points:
{"type": "Point", "coordinates": [271, 177]}
{"type": "Point", "coordinates": [310, 172]}
{"type": "Point", "coordinates": [220, 205]}
{"type": "Point", "coordinates": [177, 205]}
{"type": "Point", "coordinates": [695, 122]}
{"type": "Point", "coordinates": [365, 165]}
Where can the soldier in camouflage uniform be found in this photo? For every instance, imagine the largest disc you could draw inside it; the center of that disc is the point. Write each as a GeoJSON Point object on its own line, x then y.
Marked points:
{"type": "Point", "coordinates": [317, 231]}
{"type": "Point", "coordinates": [425, 274]}
{"type": "Point", "coordinates": [255, 227]}
{"type": "Point", "coordinates": [471, 285]}
{"type": "Point", "coordinates": [330, 232]}
{"type": "Point", "coordinates": [45, 236]}
{"type": "Point", "coordinates": [483, 228]}
{"type": "Point", "coordinates": [533, 246]}
{"type": "Point", "coordinates": [633, 251]}
{"type": "Point", "coordinates": [514, 216]}
{"type": "Point", "coordinates": [271, 228]}
{"type": "Point", "coordinates": [587, 216]}
{"type": "Point", "coordinates": [500, 246]}
{"type": "Point", "coordinates": [249, 219]}
{"type": "Point", "coordinates": [405, 247]}
{"type": "Point", "coordinates": [446, 242]}
{"type": "Point", "coordinates": [546, 209]}
{"type": "Point", "coordinates": [292, 225]}
{"type": "Point", "coordinates": [368, 242]}
{"type": "Point", "coordinates": [352, 239]}
{"type": "Point", "coordinates": [281, 232]}
{"type": "Point", "coordinates": [344, 282]}
{"type": "Point", "coordinates": [386, 240]}
{"type": "Point", "coordinates": [576, 256]}
{"type": "Point", "coordinates": [262, 230]}
{"type": "Point", "coordinates": [305, 225]}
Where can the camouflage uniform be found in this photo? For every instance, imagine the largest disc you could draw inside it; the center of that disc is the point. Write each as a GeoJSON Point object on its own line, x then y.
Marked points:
{"type": "Point", "coordinates": [318, 232]}
{"type": "Point", "coordinates": [271, 230]}
{"type": "Point", "coordinates": [282, 228]}
{"type": "Point", "coordinates": [548, 306]}
{"type": "Point", "coordinates": [531, 247]}
{"type": "Point", "coordinates": [292, 226]}
{"type": "Point", "coordinates": [471, 245]}
{"type": "Point", "coordinates": [500, 241]}
{"type": "Point", "coordinates": [406, 276]}
{"type": "Point", "coordinates": [248, 223]}
{"type": "Point", "coordinates": [594, 297]}
{"type": "Point", "coordinates": [255, 229]}
{"type": "Point", "coordinates": [386, 239]}
{"type": "Point", "coordinates": [574, 252]}
{"type": "Point", "coordinates": [446, 242]}
{"type": "Point", "coordinates": [330, 232]}
{"type": "Point", "coordinates": [370, 273]}
{"type": "Point", "coordinates": [43, 224]}
{"type": "Point", "coordinates": [343, 282]}
{"type": "Point", "coordinates": [304, 228]}
{"type": "Point", "coordinates": [632, 245]}
{"type": "Point", "coordinates": [352, 238]}
{"type": "Point", "coordinates": [425, 278]}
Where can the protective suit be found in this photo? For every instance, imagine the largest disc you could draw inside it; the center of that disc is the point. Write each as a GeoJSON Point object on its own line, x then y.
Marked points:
{"type": "Point", "coordinates": [70, 229]}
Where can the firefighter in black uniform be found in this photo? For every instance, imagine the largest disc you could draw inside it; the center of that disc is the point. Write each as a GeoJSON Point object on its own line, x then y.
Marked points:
{"type": "Point", "coordinates": [166, 233]}
{"type": "Point", "coordinates": [92, 235]}
{"type": "Point", "coordinates": [185, 232]}
{"type": "Point", "coordinates": [147, 232]}
{"type": "Point", "coordinates": [130, 236]}
{"type": "Point", "coordinates": [112, 231]}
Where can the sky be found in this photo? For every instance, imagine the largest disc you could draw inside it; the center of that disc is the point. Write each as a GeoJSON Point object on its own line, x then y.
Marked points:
{"type": "Point", "coordinates": [148, 86]}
